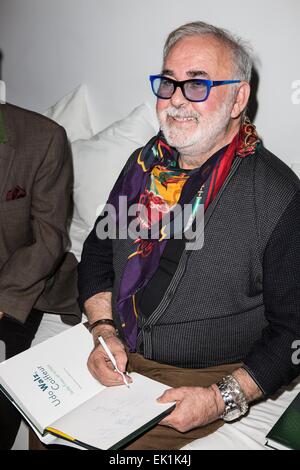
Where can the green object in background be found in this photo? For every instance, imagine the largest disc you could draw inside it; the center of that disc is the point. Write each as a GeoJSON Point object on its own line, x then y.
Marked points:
{"type": "Point", "coordinates": [2, 129]}
{"type": "Point", "coordinates": [285, 434]}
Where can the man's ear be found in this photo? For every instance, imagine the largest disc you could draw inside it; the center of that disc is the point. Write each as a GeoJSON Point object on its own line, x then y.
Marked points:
{"type": "Point", "coordinates": [241, 100]}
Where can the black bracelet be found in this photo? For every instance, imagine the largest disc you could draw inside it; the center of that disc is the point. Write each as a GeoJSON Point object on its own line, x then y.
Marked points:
{"type": "Point", "coordinates": [104, 321]}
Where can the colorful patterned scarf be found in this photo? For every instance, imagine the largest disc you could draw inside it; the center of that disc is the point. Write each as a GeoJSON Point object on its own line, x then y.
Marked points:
{"type": "Point", "coordinates": [155, 182]}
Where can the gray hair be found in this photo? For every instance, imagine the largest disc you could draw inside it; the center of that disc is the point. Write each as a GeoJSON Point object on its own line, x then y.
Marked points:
{"type": "Point", "coordinates": [240, 50]}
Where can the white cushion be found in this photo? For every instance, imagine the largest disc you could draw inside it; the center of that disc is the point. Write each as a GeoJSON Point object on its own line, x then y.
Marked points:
{"type": "Point", "coordinates": [2, 92]}
{"type": "Point", "coordinates": [78, 232]}
{"type": "Point", "coordinates": [296, 168]}
{"type": "Point", "coordinates": [99, 160]}
{"type": "Point", "coordinates": [74, 114]}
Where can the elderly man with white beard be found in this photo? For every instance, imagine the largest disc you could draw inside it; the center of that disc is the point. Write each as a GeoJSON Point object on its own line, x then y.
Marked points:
{"type": "Point", "coordinates": [215, 323]}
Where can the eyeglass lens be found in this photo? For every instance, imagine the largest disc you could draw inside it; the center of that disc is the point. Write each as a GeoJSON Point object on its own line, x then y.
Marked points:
{"type": "Point", "coordinates": [194, 90]}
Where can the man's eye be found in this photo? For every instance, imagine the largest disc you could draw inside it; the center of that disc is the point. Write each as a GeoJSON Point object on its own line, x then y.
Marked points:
{"type": "Point", "coordinates": [196, 85]}
{"type": "Point", "coordinates": [165, 82]}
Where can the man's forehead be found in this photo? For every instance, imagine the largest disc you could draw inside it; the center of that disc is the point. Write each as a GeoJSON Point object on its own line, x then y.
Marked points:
{"type": "Point", "coordinates": [199, 56]}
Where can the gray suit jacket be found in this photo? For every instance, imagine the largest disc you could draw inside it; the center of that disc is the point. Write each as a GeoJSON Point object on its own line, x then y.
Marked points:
{"type": "Point", "coordinates": [35, 270]}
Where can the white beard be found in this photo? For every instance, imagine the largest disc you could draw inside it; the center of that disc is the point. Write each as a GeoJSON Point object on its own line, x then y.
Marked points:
{"type": "Point", "coordinates": [209, 129]}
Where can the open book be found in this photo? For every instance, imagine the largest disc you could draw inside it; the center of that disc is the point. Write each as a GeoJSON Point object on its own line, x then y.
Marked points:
{"type": "Point", "coordinates": [51, 386]}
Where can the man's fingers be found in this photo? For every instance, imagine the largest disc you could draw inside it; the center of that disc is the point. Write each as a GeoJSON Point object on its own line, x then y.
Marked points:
{"type": "Point", "coordinates": [172, 420]}
{"type": "Point", "coordinates": [105, 373]}
{"type": "Point", "coordinates": [102, 368]}
{"type": "Point", "coordinates": [121, 360]}
{"type": "Point", "coordinates": [165, 422]}
{"type": "Point", "coordinates": [173, 394]}
{"type": "Point", "coordinates": [98, 366]}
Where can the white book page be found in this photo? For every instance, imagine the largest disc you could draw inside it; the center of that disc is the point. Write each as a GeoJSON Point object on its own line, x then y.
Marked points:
{"type": "Point", "coordinates": [49, 439]}
{"type": "Point", "coordinates": [276, 445]}
{"type": "Point", "coordinates": [114, 413]}
{"type": "Point", "coordinates": [51, 378]}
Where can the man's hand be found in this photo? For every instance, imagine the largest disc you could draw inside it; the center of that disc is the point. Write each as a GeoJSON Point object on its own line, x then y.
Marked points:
{"type": "Point", "coordinates": [195, 407]}
{"type": "Point", "coordinates": [1, 315]}
{"type": "Point", "coordinates": [198, 406]}
{"type": "Point", "coordinates": [99, 307]}
{"type": "Point", "coordinates": [99, 364]}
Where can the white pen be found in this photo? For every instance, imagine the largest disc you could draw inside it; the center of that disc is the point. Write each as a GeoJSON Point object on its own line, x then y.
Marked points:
{"type": "Point", "coordinates": [112, 359]}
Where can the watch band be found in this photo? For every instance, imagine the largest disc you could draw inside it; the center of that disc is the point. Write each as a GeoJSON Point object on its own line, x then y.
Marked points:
{"type": "Point", "coordinates": [103, 321]}
{"type": "Point", "coordinates": [236, 404]}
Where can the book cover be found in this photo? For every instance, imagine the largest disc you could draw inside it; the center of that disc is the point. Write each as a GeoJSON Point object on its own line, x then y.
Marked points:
{"type": "Point", "coordinates": [285, 434]}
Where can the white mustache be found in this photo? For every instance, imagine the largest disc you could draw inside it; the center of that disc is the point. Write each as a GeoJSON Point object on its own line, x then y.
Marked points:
{"type": "Point", "coordinates": [181, 115]}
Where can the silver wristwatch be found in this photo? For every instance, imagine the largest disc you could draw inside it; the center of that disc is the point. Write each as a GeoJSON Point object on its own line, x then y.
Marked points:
{"type": "Point", "coordinates": [235, 401]}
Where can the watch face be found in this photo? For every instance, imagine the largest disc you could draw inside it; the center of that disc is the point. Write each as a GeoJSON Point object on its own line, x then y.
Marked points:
{"type": "Point", "coordinates": [232, 415]}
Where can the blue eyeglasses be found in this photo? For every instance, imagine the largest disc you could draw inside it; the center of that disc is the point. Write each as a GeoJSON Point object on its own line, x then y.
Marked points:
{"type": "Point", "coordinates": [196, 89]}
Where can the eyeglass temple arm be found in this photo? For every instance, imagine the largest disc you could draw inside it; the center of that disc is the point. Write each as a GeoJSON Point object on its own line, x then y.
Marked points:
{"type": "Point", "coordinates": [224, 82]}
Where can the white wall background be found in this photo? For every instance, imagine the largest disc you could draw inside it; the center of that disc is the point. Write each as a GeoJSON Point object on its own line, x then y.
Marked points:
{"type": "Point", "coordinates": [50, 46]}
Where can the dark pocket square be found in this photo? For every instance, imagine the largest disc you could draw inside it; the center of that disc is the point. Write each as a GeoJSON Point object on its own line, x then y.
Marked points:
{"type": "Point", "coordinates": [15, 193]}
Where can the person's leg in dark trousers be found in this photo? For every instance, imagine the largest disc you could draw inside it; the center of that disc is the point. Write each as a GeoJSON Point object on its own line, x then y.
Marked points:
{"type": "Point", "coordinates": [17, 337]}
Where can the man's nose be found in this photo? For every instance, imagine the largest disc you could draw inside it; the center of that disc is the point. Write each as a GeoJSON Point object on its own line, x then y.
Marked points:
{"type": "Point", "coordinates": [178, 98]}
